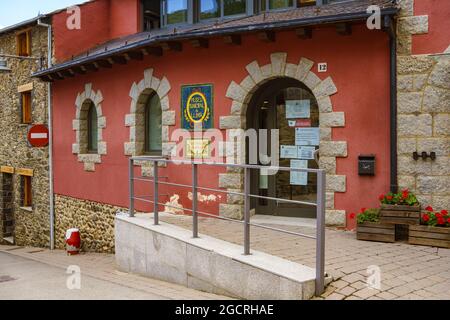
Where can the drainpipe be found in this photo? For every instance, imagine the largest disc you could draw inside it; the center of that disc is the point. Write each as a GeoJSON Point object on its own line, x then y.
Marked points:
{"type": "Point", "coordinates": [50, 130]}
{"type": "Point", "coordinates": [390, 27]}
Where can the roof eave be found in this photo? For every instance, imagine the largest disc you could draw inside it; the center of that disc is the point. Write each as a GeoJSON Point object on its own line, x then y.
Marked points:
{"type": "Point", "coordinates": [211, 33]}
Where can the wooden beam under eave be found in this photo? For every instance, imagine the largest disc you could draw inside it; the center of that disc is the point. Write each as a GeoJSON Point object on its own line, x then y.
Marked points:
{"type": "Point", "coordinates": [91, 67]}
{"type": "Point", "coordinates": [78, 70]}
{"type": "Point", "coordinates": [67, 73]}
{"type": "Point", "coordinates": [47, 78]}
{"type": "Point", "coordinates": [154, 51]}
{"type": "Point", "coordinates": [119, 59]}
{"type": "Point", "coordinates": [135, 55]}
{"type": "Point", "coordinates": [304, 33]}
{"type": "Point", "coordinates": [267, 36]}
{"type": "Point", "coordinates": [233, 39]}
{"type": "Point", "coordinates": [58, 76]}
{"type": "Point", "coordinates": [104, 64]}
{"type": "Point", "coordinates": [172, 45]}
{"type": "Point", "coordinates": [344, 29]}
{"type": "Point", "coordinates": [200, 43]}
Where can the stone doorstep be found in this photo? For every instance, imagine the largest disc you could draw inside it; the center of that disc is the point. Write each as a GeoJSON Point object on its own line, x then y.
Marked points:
{"type": "Point", "coordinates": [287, 270]}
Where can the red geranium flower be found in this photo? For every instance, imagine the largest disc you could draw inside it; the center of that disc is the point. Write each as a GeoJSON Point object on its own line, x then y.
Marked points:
{"type": "Point", "coordinates": [438, 215]}
{"type": "Point", "coordinates": [352, 215]}
{"type": "Point", "coordinates": [448, 220]}
{"type": "Point", "coordinates": [444, 212]}
{"type": "Point", "coordinates": [429, 208]}
{"type": "Point", "coordinates": [426, 218]}
{"type": "Point", "coordinates": [381, 197]}
{"type": "Point", "coordinates": [405, 194]}
{"type": "Point", "coordinates": [389, 198]}
{"type": "Point", "coordinates": [441, 221]}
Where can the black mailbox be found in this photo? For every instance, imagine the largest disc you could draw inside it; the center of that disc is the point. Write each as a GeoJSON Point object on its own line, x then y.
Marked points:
{"type": "Point", "coordinates": [366, 165]}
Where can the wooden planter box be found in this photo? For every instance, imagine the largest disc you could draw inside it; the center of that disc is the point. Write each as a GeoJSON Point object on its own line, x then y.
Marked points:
{"type": "Point", "coordinates": [429, 236]}
{"type": "Point", "coordinates": [396, 214]}
{"type": "Point", "coordinates": [374, 231]}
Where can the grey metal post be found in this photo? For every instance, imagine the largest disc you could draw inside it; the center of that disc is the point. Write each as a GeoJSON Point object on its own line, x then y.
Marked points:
{"type": "Point", "coordinates": [320, 233]}
{"type": "Point", "coordinates": [131, 186]}
{"type": "Point", "coordinates": [194, 200]}
{"type": "Point", "coordinates": [246, 211]}
{"type": "Point", "coordinates": [155, 193]}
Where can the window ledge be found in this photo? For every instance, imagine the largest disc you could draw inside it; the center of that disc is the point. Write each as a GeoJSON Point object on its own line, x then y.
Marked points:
{"type": "Point", "coordinates": [28, 209]}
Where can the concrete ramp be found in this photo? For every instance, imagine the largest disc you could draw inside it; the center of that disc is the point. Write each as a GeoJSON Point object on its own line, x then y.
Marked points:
{"type": "Point", "coordinates": [169, 253]}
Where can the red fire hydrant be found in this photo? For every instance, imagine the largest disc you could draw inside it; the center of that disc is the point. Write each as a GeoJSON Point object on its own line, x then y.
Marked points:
{"type": "Point", "coordinates": [73, 241]}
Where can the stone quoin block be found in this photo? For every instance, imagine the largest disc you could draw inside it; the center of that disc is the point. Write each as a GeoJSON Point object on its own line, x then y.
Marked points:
{"type": "Point", "coordinates": [335, 217]}
{"type": "Point", "coordinates": [336, 183]}
{"type": "Point", "coordinates": [248, 83]}
{"type": "Point", "coordinates": [332, 119]}
{"type": "Point", "coordinates": [254, 71]}
{"type": "Point", "coordinates": [290, 70]}
{"type": "Point", "coordinates": [328, 164]}
{"type": "Point", "coordinates": [436, 100]}
{"type": "Point", "coordinates": [231, 122]}
{"type": "Point", "coordinates": [168, 118]}
{"type": "Point", "coordinates": [278, 61]}
{"type": "Point", "coordinates": [230, 180]}
{"type": "Point", "coordinates": [231, 211]}
{"type": "Point", "coordinates": [333, 148]}
{"type": "Point", "coordinates": [236, 92]}
{"type": "Point", "coordinates": [413, 25]}
{"type": "Point", "coordinates": [303, 68]}
{"type": "Point", "coordinates": [325, 88]}
{"type": "Point", "coordinates": [311, 80]}
{"type": "Point", "coordinates": [324, 104]}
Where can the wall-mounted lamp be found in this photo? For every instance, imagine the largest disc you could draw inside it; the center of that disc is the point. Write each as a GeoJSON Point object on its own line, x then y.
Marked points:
{"type": "Point", "coordinates": [424, 155]}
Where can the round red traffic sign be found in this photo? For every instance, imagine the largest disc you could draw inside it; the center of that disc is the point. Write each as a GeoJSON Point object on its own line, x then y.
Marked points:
{"type": "Point", "coordinates": [38, 135]}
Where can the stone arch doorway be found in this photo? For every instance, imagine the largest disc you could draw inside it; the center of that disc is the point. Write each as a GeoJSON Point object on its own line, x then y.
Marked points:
{"type": "Point", "coordinates": [241, 93]}
{"type": "Point", "coordinates": [274, 108]}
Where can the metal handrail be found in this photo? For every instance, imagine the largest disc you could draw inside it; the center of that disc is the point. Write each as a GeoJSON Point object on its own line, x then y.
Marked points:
{"type": "Point", "coordinates": [320, 205]}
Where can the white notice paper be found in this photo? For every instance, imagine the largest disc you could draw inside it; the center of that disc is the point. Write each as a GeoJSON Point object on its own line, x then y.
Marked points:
{"type": "Point", "coordinates": [306, 152]}
{"type": "Point", "coordinates": [298, 109]}
{"type": "Point", "coordinates": [289, 152]}
{"type": "Point", "coordinates": [307, 136]}
{"type": "Point", "coordinates": [299, 178]}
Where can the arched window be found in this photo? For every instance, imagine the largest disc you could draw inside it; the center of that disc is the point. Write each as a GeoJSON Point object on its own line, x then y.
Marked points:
{"type": "Point", "coordinates": [92, 133]}
{"type": "Point", "coordinates": [153, 126]}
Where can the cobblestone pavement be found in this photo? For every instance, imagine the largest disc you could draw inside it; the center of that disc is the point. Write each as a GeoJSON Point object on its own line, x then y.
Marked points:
{"type": "Point", "coordinates": [41, 267]}
{"type": "Point", "coordinates": [407, 271]}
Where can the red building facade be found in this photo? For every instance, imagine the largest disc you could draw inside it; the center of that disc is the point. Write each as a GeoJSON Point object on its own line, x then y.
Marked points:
{"type": "Point", "coordinates": [110, 69]}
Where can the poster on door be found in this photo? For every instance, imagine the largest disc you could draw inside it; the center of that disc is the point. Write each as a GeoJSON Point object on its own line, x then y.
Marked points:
{"type": "Point", "coordinates": [307, 136]}
{"type": "Point", "coordinates": [298, 109]}
{"type": "Point", "coordinates": [299, 178]}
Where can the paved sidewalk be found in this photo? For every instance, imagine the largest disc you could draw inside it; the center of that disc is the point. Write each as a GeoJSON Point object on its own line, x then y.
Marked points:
{"type": "Point", "coordinates": [31, 273]}
{"type": "Point", "coordinates": [407, 271]}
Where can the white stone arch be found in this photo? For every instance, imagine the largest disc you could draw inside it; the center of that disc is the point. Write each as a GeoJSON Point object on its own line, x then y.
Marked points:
{"type": "Point", "coordinates": [80, 127]}
{"type": "Point", "coordinates": [241, 94]}
{"type": "Point", "coordinates": [139, 94]}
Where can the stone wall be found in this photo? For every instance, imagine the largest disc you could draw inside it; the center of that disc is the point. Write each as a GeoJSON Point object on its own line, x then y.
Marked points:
{"type": "Point", "coordinates": [423, 114]}
{"type": "Point", "coordinates": [31, 227]}
{"type": "Point", "coordinates": [94, 220]}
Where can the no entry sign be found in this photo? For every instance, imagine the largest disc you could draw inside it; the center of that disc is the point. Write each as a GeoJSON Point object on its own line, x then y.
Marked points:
{"type": "Point", "coordinates": [38, 135]}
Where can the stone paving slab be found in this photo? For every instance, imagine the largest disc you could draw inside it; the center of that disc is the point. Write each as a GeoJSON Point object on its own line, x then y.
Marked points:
{"type": "Point", "coordinates": [407, 271]}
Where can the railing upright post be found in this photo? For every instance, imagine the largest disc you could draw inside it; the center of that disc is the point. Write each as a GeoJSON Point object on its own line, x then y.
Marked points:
{"type": "Point", "coordinates": [155, 193]}
{"type": "Point", "coordinates": [131, 186]}
{"type": "Point", "coordinates": [246, 211]}
{"type": "Point", "coordinates": [320, 233]}
{"type": "Point", "coordinates": [194, 200]}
